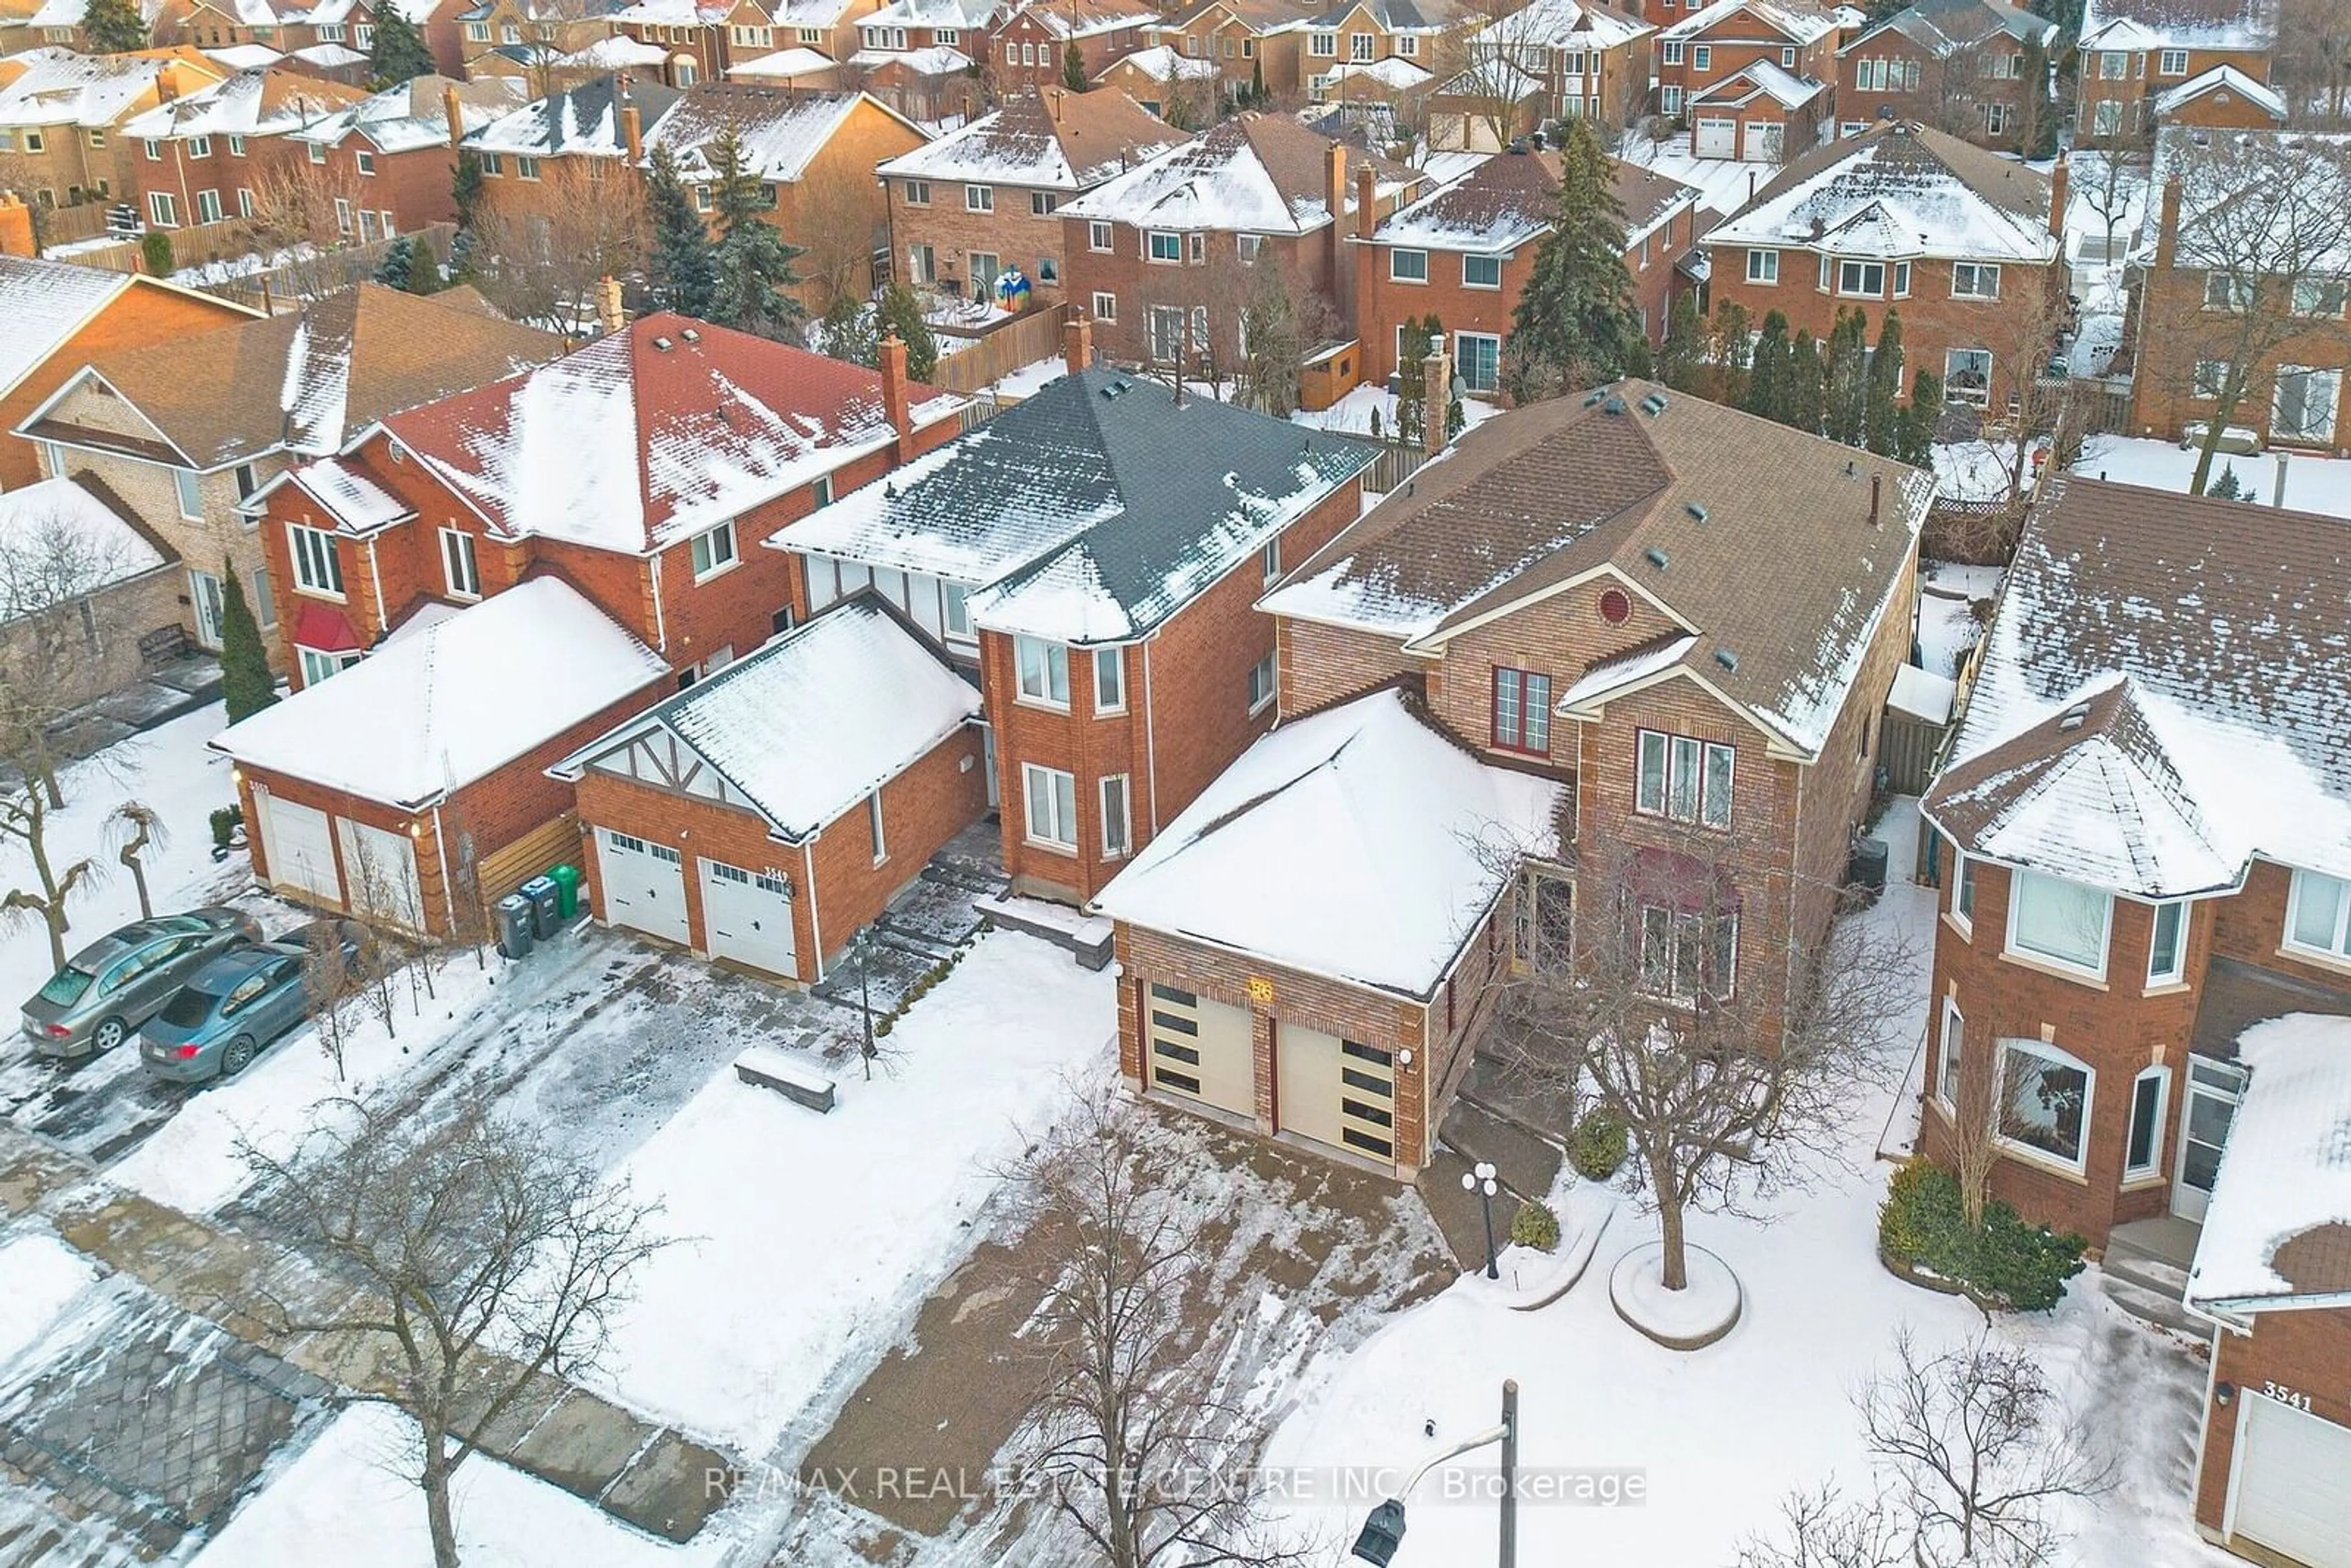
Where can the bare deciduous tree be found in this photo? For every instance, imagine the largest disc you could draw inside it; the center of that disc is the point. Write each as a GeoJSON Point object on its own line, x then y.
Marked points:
{"type": "Point", "coordinates": [1493, 65]}
{"type": "Point", "coordinates": [1822, 1529]}
{"type": "Point", "coordinates": [837, 218]}
{"type": "Point", "coordinates": [541, 254]}
{"type": "Point", "coordinates": [2314, 62]}
{"type": "Point", "coordinates": [484, 1258]}
{"type": "Point", "coordinates": [330, 981]}
{"type": "Point", "coordinates": [139, 826]}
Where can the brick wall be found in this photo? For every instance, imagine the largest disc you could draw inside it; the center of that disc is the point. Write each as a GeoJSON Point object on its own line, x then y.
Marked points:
{"type": "Point", "coordinates": [2174, 331]}
{"type": "Point", "coordinates": [412, 186]}
{"type": "Point", "coordinates": [2143, 80]}
{"type": "Point", "coordinates": [1322, 665]}
{"type": "Point", "coordinates": [225, 172]}
{"type": "Point", "coordinates": [1219, 282]}
{"type": "Point", "coordinates": [1010, 231]}
{"type": "Point", "coordinates": [1733, 43]}
{"type": "Point", "coordinates": [2303, 1352]}
{"type": "Point", "coordinates": [1951, 94]}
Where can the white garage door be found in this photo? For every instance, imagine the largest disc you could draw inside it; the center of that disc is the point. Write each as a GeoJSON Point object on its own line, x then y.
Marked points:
{"type": "Point", "coordinates": [1763, 144]}
{"type": "Point", "coordinates": [1337, 1091]}
{"type": "Point", "coordinates": [1718, 139]}
{"type": "Point", "coordinates": [2293, 1483]}
{"type": "Point", "coordinates": [382, 869]}
{"type": "Point", "coordinates": [1199, 1049]}
{"type": "Point", "coordinates": [747, 917]}
{"type": "Point", "coordinates": [299, 843]}
{"type": "Point", "coordinates": [644, 885]}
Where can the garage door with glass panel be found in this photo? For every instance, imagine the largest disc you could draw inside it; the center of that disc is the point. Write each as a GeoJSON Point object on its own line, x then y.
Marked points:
{"type": "Point", "coordinates": [299, 843]}
{"type": "Point", "coordinates": [2293, 1481]}
{"type": "Point", "coordinates": [1763, 142]}
{"type": "Point", "coordinates": [1337, 1091]}
{"type": "Point", "coordinates": [1718, 138]}
{"type": "Point", "coordinates": [747, 915]}
{"type": "Point", "coordinates": [1198, 1049]}
{"type": "Point", "coordinates": [644, 885]}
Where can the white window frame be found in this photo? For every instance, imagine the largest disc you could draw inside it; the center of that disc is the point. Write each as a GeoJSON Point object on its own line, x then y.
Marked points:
{"type": "Point", "coordinates": [317, 562]}
{"type": "Point", "coordinates": [2050, 1054]}
{"type": "Point", "coordinates": [199, 147]}
{"type": "Point", "coordinates": [1042, 203]}
{"type": "Point", "coordinates": [955, 612]}
{"type": "Point", "coordinates": [916, 193]}
{"type": "Point", "coordinates": [1041, 671]}
{"type": "Point", "coordinates": [1862, 269]}
{"type": "Point", "coordinates": [1978, 274]}
{"type": "Point", "coordinates": [1683, 927]}
{"type": "Point", "coordinates": [1672, 753]}
{"type": "Point", "coordinates": [187, 489]}
{"type": "Point", "coordinates": [319, 666]}
{"type": "Point", "coordinates": [1322, 46]}
{"type": "Point", "coordinates": [2209, 379]}
{"type": "Point", "coordinates": [2020, 884]}
{"type": "Point", "coordinates": [1264, 683]}
{"type": "Point", "coordinates": [2177, 909]}
{"type": "Point", "coordinates": [1100, 235]}
{"type": "Point", "coordinates": [1109, 680]}
{"type": "Point", "coordinates": [1701, 56]}
{"type": "Point", "coordinates": [1494, 262]}
{"type": "Point", "coordinates": [1059, 791]}
{"type": "Point", "coordinates": [1763, 267]}
{"type": "Point", "coordinates": [703, 551]}
{"type": "Point", "coordinates": [979, 198]}
{"type": "Point", "coordinates": [1963, 892]}
{"type": "Point", "coordinates": [1673, 52]}
{"type": "Point", "coordinates": [162, 210]}
{"type": "Point", "coordinates": [2340, 951]}
{"type": "Point", "coordinates": [2171, 63]}
{"type": "Point", "coordinates": [366, 162]}
{"type": "Point", "coordinates": [1463, 360]}
{"type": "Point", "coordinates": [1398, 270]}
{"type": "Point", "coordinates": [2153, 1164]}
{"type": "Point", "coordinates": [1117, 817]}
{"type": "Point", "coordinates": [1150, 238]}
{"type": "Point", "coordinates": [208, 207]}
{"type": "Point", "coordinates": [461, 568]}
{"type": "Point", "coordinates": [1951, 1053]}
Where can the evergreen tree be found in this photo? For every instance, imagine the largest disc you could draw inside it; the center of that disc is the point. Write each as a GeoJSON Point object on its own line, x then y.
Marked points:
{"type": "Point", "coordinates": [398, 53]}
{"type": "Point", "coordinates": [1916, 444]}
{"type": "Point", "coordinates": [1730, 353]}
{"type": "Point", "coordinates": [1073, 68]}
{"type": "Point", "coordinates": [1770, 374]}
{"type": "Point", "coordinates": [113, 27]}
{"type": "Point", "coordinates": [1884, 409]}
{"type": "Point", "coordinates": [1806, 383]}
{"type": "Point", "coordinates": [753, 265]}
{"type": "Point", "coordinates": [465, 196]}
{"type": "Point", "coordinates": [425, 269]}
{"type": "Point", "coordinates": [1681, 357]}
{"type": "Point", "coordinates": [155, 254]}
{"type": "Point", "coordinates": [397, 268]}
{"type": "Point", "coordinates": [847, 331]}
{"type": "Point", "coordinates": [1413, 343]}
{"type": "Point", "coordinates": [682, 271]}
{"type": "Point", "coordinates": [247, 685]}
{"type": "Point", "coordinates": [901, 311]}
{"type": "Point", "coordinates": [1576, 323]}
{"type": "Point", "coordinates": [2228, 486]}
{"type": "Point", "coordinates": [1846, 408]}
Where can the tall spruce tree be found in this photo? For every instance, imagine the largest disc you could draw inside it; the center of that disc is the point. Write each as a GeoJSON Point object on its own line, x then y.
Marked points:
{"type": "Point", "coordinates": [1730, 353]}
{"type": "Point", "coordinates": [682, 271]}
{"type": "Point", "coordinates": [466, 196]}
{"type": "Point", "coordinates": [900, 310]}
{"type": "Point", "coordinates": [1881, 430]}
{"type": "Point", "coordinates": [247, 685]}
{"type": "Point", "coordinates": [1770, 372]}
{"type": "Point", "coordinates": [752, 263]}
{"type": "Point", "coordinates": [1847, 404]}
{"type": "Point", "coordinates": [398, 53]}
{"type": "Point", "coordinates": [1073, 68]}
{"type": "Point", "coordinates": [1916, 443]}
{"type": "Point", "coordinates": [1413, 342]}
{"type": "Point", "coordinates": [1575, 321]}
{"type": "Point", "coordinates": [1806, 385]}
{"type": "Point", "coordinates": [113, 27]}
{"type": "Point", "coordinates": [1681, 357]}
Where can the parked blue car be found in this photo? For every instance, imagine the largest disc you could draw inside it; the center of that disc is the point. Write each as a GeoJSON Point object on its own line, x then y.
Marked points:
{"type": "Point", "coordinates": [219, 1021]}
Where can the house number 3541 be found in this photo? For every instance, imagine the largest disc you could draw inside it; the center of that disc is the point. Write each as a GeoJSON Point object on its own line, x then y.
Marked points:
{"type": "Point", "coordinates": [2285, 1396]}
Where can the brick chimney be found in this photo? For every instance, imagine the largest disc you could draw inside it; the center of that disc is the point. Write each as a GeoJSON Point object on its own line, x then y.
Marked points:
{"type": "Point", "coordinates": [2166, 237]}
{"type": "Point", "coordinates": [1334, 196]}
{"type": "Point", "coordinates": [15, 227]}
{"type": "Point", "coordinates": [895, 395]}
{"type": "Point", "coordinates": [1367, 201]}
{"type": "Point", "coordinates": [2060, 185]}
{"type": "Point", "coordinates": [452, 106]}
{"type": "Point", "coordinates": [166, 87]}
{"type": "Point", "coordinates": [633, 132]}
{"type": "Point", "coordinates": [1078, 344]}
{"type": "Point", "coordinates": [610, 318]}
{"type": "Point", "coordinates": [1435, 392]}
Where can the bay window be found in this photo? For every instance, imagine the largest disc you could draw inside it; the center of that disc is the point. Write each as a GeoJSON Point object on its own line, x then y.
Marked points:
{"type": "Point", "coordinates": [2045, 1100]}
{"type": "Point", "coordinates": [1052, 798]}
{"type": "Point", "coordinates": [2056, 922]}
{"type": "Point", "coordinates": [2318, 910]}
{"type": "Point", "coordinates": [1044, 671]}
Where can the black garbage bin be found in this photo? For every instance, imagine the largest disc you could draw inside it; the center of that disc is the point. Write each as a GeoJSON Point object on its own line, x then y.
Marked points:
{"type": "Point", "coordinates": [1867, 869]}
{"type": "Point", "coordinates": [515, 925]}
{"type": "Point", "coordinates": [546, 905]}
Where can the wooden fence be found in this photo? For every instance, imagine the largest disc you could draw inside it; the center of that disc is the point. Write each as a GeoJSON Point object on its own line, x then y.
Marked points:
{"type": "Point", "coordinates": [1002, 348]}
{"type": "Point", "coordinates": [264, 287]}
{"type": "Point", "coordinates": [1394, 466]}
{"type": "Point", "coordinates": [69, 225]}
{"type": "Point", "coordinates": [1976, 533]}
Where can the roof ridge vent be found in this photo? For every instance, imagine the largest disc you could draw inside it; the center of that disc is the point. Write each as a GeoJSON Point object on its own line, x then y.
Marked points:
{"type": "Point", "coordinates": [2076, 717]}
{"type": "Point", "coordinates": [1697, 511]}
{"type": "Point", "coordinates": [1656, 558]}
{"type": "Point", "coordinates": [1726, 659]}
{"type": "Point", "coordinates": [1654, 405]}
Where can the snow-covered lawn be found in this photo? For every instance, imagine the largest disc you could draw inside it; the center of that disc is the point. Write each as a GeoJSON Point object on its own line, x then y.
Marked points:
{"type": "Point", "coordinates": [1722, 1433]}
{"type": "Point", "coordinates": [808, 1241]}
{"type": "Point", "coordinates": [2312, 483]}
{"type": "Point", "coordinates": [1352, 415]}
{"type": "Point", "coordinates": [347, 1500]}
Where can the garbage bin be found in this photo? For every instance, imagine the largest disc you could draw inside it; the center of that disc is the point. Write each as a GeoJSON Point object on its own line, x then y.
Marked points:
{"type": "Point", "coordinates": [544, 897]}
{"type": "Point", "coordinates": [1867, 869]}
{"type": "Point", "coordinates": [515, 925]}
{"type": "Point", "coordinates": [567, 890]}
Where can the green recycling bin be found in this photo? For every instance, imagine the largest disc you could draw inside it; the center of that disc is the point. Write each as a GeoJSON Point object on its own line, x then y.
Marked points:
{"type": "Point", "coordinates": [567, 890]}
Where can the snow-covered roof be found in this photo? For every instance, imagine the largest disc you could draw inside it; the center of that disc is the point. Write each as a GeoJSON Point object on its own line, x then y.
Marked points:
{"type": "Point", "coordinates": [818, 719]}
{"type": "Point", "coordinates": [583, 120]}
{"type": "Point", "coordinates": [266, 102]}
{"type": "Point", "coordinates": [329, 57]}
{"type": "Point", "coordinates": [932, 61]}
{"type": "Point", "coordinates": [971, 15]}
{"type": "Point", "coordinates": [1609, 676]}
{"type": "Point", "coordinates": [1082, 18]}
{"type": "Point", "coordinates": [244, 57]}
{"type": "Point", "coordinates": [60, 540]}
{"type": "Point", "coordinates": [1065, 141]}
{"type": "Point", "coordinates": [2164, 693]}
{"type": "Point", "coordinates": [617, 53]}
{"type": "Point", "coordinates": [58, 86]}
{"type": "Point", "coordinates": [416, 113]}
{"type": "Point", "coordinates": [428, 714]}
{"type": "Point", "coordinates": [652, 433]}
{"type": "Point", "coordinates": [1255, 172]}
{"type": "Point", "coordinates": [1786, 88]}
{"type": "Point", "coordinates": [675, 13]}
{"type": "Point", "coordinates": [1092, 511]}
{"type": "Point", "coordinates": [1494, 80]}
{"type": "Point", "coordinates": [1900, 189]}
{"type": "Point", "coordinates": [1561, 24]}
{"type": "Point", "coordinates": [1508, 199]}
{"type": "Point", "coordinates": [1394, 73]}
{"type": "Point", "coordinates": [780, 132]}
{"type": "Point", "coordinates": [1923, 695]}
{"type": "Point", "coordinates": [784, 65]}
{"type": "Point", "coordinates": [2223, 79]}
{"type": "Point", "coordinates": [1358, 843]}
{"type": "Point", "coordinates": [2254, 200]}
{"type": "Point", "coordinates": [2278, 1231]}
{"type": "Point", "coordinates": [1944, 28]}
{"type": "Point", "coordinates": [348, 493]}
{"type": "Point", "coordinates": [2183, 24]}
{"type": "Point", "coordinates": [1161, 63]}
{"type": "Point", "coordinates": [1795, 20]}
{"type": "Point", "coordinates": [45, 303]}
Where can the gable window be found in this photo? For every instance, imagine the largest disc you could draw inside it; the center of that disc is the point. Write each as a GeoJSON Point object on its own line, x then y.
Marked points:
{"type": "Point", "coordinates": [713, 552]}
{"type": "Point", "coordinates": [318, 564]}
{"type": "Point", "coordinates": [918, 192]}
{"type": "Point", "coordinates": [2172, 63]}
{"type": "Point", "coordinates": [1861, 277]}
{"type": "Point", "coordinates": [1044, 671]}
{"type": "Point", "coordinates": [1117, 826]}
{"type": "Point", "coordinates": [2114, 65]}
{"type": "Point", "coordinates": [1947, 1056]}
{"type": "Point", "coordinates": [1052, 799]}
{"type": "Point", "coordinates": [2318, 915]}
{"type": "Point", "coordinates": [2166, 950]}
{"type": "Point", "coordinates": [1261, 684]}
{"type": "Point", "coordinates": [1975, 280]}
{"type": "Point", "coordinates": [1685, 957]}
{"type": "Point", "coordinates": [1963, 895]}
{"type": "Point", "coordinates": [1762, 267]}
{"type": "Point", "coordinates": [1522, 711]}
{"type": "Point", "coordinates": [1673, 52]}
{"type": "Point", "coordinates": [1359, 47]}
{"type": "Point", "coordinates": [1164, 248]}
{"type": "Point", "coordinates": [1098, 237]}
{"type": "Point", "coordinates": [1481, 272]}
{"type": "Point", "coordinates": [2045, 1100]}
{"type": "Point", "coordinates": [1109, 680]}
{"type": "Point", "coordinates": [2144, 1144]}
{"type": "Point", "coordinates": [459, 566]}
{"type": "Point", "coordinates": [979, 198]}
{"type": "Point", "coordinates": [2057, 922]}
{"type": "Point", "coordinates": [1685, 779]}
{"type": "Point", "coordinates": [190, 489]}
{"type": "Point", "coordinates": [1408, 265]}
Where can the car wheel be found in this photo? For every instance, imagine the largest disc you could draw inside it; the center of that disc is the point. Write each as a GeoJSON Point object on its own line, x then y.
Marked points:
{"type": "Point", "coordinates": [237, 1057]}
{"type": "Point", "coordinates": [108, 1034]}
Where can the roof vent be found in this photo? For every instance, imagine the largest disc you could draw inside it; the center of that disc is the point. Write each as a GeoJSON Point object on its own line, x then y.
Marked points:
{"type": "Point", "coordinates": [1657, 557]}
{"type": "Point", "coordinates": [1696, 512]}
{"type": "Point", "coordinates": [1726, 658]}
{"type": "Point", "coordinates": [889, 490]}
{"type": "Point", "coordinates": [1592, 397]}
{"type": "Point", "coordinates": [2075, 716]}
{"type": "Point", "coordinates": [662, 343]}
{"type": "Point", "coordinates": [1615, 405]}
{"type": "Point", "coordinates": [689, 334]}
{"type": "Point", "coordinates": [1654, 405]}
{"type": "Point", "coordinates": [1851, 469]}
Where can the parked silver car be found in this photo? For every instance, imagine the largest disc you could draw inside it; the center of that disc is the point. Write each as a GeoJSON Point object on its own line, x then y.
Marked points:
{"type": "Point", "coordinates": [117, 983]}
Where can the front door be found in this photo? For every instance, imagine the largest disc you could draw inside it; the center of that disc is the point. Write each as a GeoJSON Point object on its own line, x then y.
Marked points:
{"type": "Point", "coordinates": [2214, 1088]}
{"type": "Point", "coordinates": [205, 595]}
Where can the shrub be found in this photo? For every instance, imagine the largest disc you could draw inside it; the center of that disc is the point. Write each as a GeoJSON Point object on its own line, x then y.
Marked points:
{"type": "Point", "coordinates": [1921, 1220]}
{"type": "Point", "coordinates": [1535, 1226]}
{"type": "Point", "coordinates": [1598, 1146]}
{"type": "Point", "coordinates": [225, 821]}
{"type": "Point", "coordinates": [2003, 1262]}
{"type": "Point", "coordinates": [155, 253]}
{"type": "Point", "coordinates": [2024, 1266]}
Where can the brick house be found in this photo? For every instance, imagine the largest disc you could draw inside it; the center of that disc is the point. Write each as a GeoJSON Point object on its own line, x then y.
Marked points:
{"type": "Point", "coordinates": [1374, 46]}
{"type": "Point", "coordinates": [1164, 82]}
{"type": "Point", "coordinates": [415, 789]}
{"type": "Point", "coordinates": [2223, 97]}
{"type": "Point", "coordinates": [987, 196]}
{"type": "Point", "coordinates": [1961, 66]}
{"type": "Point", "coordinates": [216, 155]}
{"type": "Point", "coordinates": [920, 55]}
{"type": "Point", "coordinates": [763, 817]}
{"type": "Point", "coordinates": [1464, 252]}
{"type": "Point", "coordinates": [1104, 596]}
{"type": "Point", "coordinates": [185, 431]}
{"type": "Point", "coordinates": [1030, 45]}
{"type": "Point", "coordinates": [2142, 972]}
{"type": "Point", "coordinates": [1162, 258]}
{"type": "Point", "coordinates": [646, 469]}
{"type": "Point", "coordinates": [60, 316]}
{"type": "Point", "coordinates": [815, 153]}
{"type": "Point", "coordinates": [2132, 51]}
{"type": "Point", "coordinates": [1593, 62]}
{"type": "Point", "coordinates": [1573, 602]}
{"type": "Point", "coordinates": [2245, 220]}
{"type": "Point", "coordinates": [701, 40]}
{"type": "Point", "coordinates": [537, 42]}
{"type": "Point", "coordinates": [1707, 47]}
{"type": "Point", "coordinates": [1258, 44]}
{"type": "Point", "coordinates": [827, 26]}
{"type": "Point", "coordinates": [594, 127]}
{"type": "Point", "coordinates": [61, 116]}
{"type": "Point", "coordinates": [1962, 242]}
{"type": "Point", "coordinates": [398, 148]}
{"type": "Point", "coordinates": [1761, 112]}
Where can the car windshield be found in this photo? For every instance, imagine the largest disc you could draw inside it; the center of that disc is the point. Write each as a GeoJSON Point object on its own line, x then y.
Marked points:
{"type": "Point", "coordinates": [66, 986]}
{"type": "Point", "coordinates": [188, 1009]}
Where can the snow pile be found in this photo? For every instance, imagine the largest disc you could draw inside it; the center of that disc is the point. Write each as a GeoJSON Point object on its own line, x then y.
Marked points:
{"type": "Point", "coordinates": [44, 1277]}
{"type": "Point", "coordinates": [2287, 1170]}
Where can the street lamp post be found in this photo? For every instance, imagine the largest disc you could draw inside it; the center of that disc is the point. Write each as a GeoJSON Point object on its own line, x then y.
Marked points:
{"type": "Point", "coordinates": [1480, 1181]}
{"type": "Point", "coordinates": [1382, 1532]}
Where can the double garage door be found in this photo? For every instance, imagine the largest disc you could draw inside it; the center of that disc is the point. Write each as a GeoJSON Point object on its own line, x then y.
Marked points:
{"type": "Point", "coordinates": [2293, 1483]}
{"type": "Point", "coordinates": [747, 915]}
{"type": "Point", "coordinates": [375, 875]}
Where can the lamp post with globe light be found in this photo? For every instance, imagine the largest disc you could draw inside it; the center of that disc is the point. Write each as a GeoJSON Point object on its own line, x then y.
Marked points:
{"type": "Point", "coordinates": [1479, 1179]}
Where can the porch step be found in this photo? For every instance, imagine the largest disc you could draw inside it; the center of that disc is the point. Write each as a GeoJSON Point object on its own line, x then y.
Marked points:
{"type": "Point", "coordinates": [2164, 1278]}
{"type": "Point", "coordinates": [2166, 1237]}
{"type": "Point", "coordinates": [2152, 1306]}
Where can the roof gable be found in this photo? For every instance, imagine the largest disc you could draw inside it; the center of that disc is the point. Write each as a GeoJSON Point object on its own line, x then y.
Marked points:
{"type": "Point", "coordinates": [1927, 194]}
{"type": "Point", "coordinates": [781, 131]}
{"type": "Point", "coordinates": [1056, 139]}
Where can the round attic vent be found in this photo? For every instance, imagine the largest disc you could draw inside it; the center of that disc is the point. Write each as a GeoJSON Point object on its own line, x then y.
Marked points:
{"type": "Point", "coordinates": [1615, 607]}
